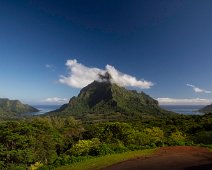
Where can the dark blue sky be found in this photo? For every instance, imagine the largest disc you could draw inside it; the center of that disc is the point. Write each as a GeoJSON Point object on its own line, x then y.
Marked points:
{"type": "Point", "coordinates": [166, 42]}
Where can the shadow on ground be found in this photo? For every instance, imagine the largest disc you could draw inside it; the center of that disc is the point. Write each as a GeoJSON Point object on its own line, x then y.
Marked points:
{"type": "Point", "coordinates": [200, 167]}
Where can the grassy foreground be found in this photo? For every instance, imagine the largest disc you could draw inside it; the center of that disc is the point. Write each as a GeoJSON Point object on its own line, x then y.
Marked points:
{"type": "Point", "coordinates": [104, 161]}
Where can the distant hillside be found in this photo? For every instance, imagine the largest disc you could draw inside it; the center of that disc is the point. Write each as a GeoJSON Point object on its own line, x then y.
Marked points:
{"type": "Point", "coordinates": [14, 108]}
{"type": "Point", "coordinates": [107, 101]}
{"type": "Point", "coordinates": [206, 109]}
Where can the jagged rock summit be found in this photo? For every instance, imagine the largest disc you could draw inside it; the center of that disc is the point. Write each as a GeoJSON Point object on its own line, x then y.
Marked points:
{"type": "Point", "coordinates": [107, 101]}
{"type": "Point", "coordinates": [14, 108]}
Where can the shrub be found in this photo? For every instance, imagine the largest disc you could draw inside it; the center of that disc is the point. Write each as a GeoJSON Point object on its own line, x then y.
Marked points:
{"type": "Point", "coordinates": [112, 131]}
{"type": "Point", "coordinates": [105, 149]}
{"type": "Point", "coordinates": [204, 137]}
{"type": "Point", "coordinates": [16, 167]}
{"type": "Point", "coordinates": [139, 138]}
{"type": "Point", "coordinates": [36, 165]}
{"type": "Point", "coordinates": [177, 138]}
{"type": "Point", "coordinates": [85, 147]}
{"type": "Point", "coordinates": [133, 147]}
{"type": "Point", "coordinates": [148, 137]}
{"type": "Point", "coordinates": [155, 135]}
{"type": "Point", "coordinates": [119, 147]}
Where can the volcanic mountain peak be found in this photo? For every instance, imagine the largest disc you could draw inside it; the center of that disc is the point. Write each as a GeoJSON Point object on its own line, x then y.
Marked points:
{"type": "Point", "coordinates": [103, 99]}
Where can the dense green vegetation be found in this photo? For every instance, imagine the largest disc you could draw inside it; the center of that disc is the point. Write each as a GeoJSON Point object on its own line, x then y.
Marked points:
{"type": "Point", "coordinates": [108, 119]}
{"type": "Point", "coordinates": [49, 142]}
{"type": "Point", "coordinates": [14, 108]}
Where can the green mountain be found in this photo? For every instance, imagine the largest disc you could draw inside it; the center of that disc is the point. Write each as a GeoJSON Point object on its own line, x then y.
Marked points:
{"type": "Point", "coordinates": [106, 101]}
{"type": "Point", "coordinates": [206, 109]}
{"type": "Point", "coordinates": [14, 108]}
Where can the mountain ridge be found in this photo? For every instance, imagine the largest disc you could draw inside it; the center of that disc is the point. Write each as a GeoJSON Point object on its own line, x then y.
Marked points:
{"type": "Point", "coordinates": [206, 109]}
{"type": "Point", "coordinates": [14, 108]}
{"type": "Point", "coordinates": [105, 100]}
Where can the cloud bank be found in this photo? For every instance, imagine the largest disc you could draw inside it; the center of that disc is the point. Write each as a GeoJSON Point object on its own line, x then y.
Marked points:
{"type": "Point", "coordinates": [173, 101]}
{"type": "Point", "coordinates": [197, 89]}
{"type": "Point", "coordinates": [56, 100]}
{"type": "Point", "coordinates": [80, 76]}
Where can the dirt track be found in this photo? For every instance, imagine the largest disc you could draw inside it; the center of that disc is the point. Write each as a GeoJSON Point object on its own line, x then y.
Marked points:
{"type": "Point", "coordinates": [170, 158]}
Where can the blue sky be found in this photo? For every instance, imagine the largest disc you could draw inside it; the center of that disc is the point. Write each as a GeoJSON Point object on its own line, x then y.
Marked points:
{"type": "Point", "coordinates": [167, 43]}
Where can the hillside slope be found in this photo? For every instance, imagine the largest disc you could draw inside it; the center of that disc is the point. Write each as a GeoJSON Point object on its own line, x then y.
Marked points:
{"type": "Point", "coordinates": [106, 101]}
{"type": "Point", "coordinates": [206, 109]}
{"type": "Point", "coordinates": [14, 108]}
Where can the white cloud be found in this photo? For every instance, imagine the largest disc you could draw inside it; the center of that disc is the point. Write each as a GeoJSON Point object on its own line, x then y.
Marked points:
{"type": "Point", "coordinates": [79, 76]}
{"type": "Point", "coordinates": [197, 89]}
{"type": "Point", "coordinates": [192, 101]}
{"type": "Point", "coordinates": [56, 100]}
{"type": "Point", "coordinates": [126, 80]}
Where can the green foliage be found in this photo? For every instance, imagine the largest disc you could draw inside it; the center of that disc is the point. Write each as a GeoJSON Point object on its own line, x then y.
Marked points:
{"type": "Point", "coordinates": [85, 147]}
{"type": "Point", "coordinates": [105, 149]}
{"type": "Point", "coordinates": [119, 147]}
{"type": "Point", "coordinates": [67, 160]}
{"type": "Point", "coordinates": [203, 137]}
{"type": "Point", "coordinates": [155, 135]}
{"type": "Point", "coordinates": [138, 138]}
{"type": "Point", "coordinates": [112, 132]}
{"type": "Point", "coordinates": [35, 166]}
{"type": "Point", "coordinates": [149, 136]}
{"type": "Point", "coordinates": [23, 143]}
{"type": "Point", "coordinates": [12, 166]}
{"type": "Point", "coordinates": [56, 141]}
{"type": "Point", "coordinates": [177, 138]}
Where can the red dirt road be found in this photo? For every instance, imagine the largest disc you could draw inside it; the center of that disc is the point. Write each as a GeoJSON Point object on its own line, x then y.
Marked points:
{"type": "Point", "coordinates": [170, 158]}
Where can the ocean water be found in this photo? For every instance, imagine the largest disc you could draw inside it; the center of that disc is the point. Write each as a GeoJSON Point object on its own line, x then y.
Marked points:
{"type": "Point", "coordinates": [184, 109]}
{"type": "Point", "coordinates": [45, 108]}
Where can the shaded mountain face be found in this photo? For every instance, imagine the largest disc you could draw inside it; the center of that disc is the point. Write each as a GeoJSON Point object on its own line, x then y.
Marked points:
{"type": "Point", "coordinates": [14, 108]}
{"type": "Point", "coordinates": [104, 100]}
{"type": "Point", "coordinates": [206, 109]}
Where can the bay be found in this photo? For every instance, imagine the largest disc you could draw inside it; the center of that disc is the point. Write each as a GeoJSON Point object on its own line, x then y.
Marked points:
{"type": "Point", "coordinates": [184, 109]}
{"type": "Point", "coordinates": [45, 108]}
{"type": "Point", "coordinates": [181, 109]}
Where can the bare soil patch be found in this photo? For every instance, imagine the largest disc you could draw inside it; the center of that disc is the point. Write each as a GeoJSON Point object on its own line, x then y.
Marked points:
{"type": "Point", "coordinates": [170, 158]}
